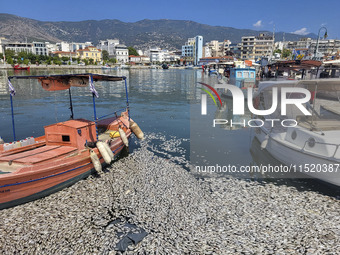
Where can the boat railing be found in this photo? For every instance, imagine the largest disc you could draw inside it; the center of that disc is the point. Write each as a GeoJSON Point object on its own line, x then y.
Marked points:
{"type": "Point", "coordinates": [322, 143]}
{"type": "Point", "coordinates": [112, 113]}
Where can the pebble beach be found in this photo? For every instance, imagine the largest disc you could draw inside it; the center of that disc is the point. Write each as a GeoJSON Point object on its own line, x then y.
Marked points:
{"type": "Point", "coordinates": [178, 212]}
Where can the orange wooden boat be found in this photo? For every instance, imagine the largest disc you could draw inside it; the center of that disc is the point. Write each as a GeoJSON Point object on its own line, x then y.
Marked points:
{"type": "Point", "coordinates": [64, 155]}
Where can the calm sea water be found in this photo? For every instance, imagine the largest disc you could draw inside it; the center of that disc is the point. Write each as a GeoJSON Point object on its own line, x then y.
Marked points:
{"type": "Point", "coordinates": [163, 102]}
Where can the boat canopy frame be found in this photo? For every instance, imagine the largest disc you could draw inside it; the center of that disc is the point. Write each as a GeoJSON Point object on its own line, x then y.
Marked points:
{"type": "Point", "coordinates": [64, 83]}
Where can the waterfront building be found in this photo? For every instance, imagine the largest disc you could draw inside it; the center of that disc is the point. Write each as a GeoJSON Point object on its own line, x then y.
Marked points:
{"type": "Point", "coordinates": [156, 55]}
{"type": "Point", "coordinates": [19, 47]}
{"type": "Point", "coordinates": [90, 52]}
{"type": "Point", "coordinates": [108, 45]}
{"type": "Point", "coordinates": [139, 59]}
{"type": "Point", "coordinates": [61, 54]}
{"type": "Point", "coordinates": [216, 49]}
{"type": "Point", "coordinates": [257, 47]}
{"type": "Point", "coordinates": [63, 46]}
{"type": "Point", "coordinates": [247, 48]}
{"type": "Point", "coordinates": [121, 53]}
{"type": "Point", "coordinates": [193, 49]}
{"type": "Point", "coordinates": [40, 48]}
{"type": "Point", "coordinates": [79, 46]}
{"type": "Point", "coordinates": [51, 47]}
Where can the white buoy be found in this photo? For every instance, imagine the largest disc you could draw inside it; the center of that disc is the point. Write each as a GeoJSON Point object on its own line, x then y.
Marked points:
{"type": "Point", "coordinates": [1, 140]}
{"type": "Point", "coordinates": [109, 151]}
{"type": "Point", "coordinates": [103, 152]}
{"type": "Point", "coordinates": [95, 160]}
{"type": "Point", "coordinates": [123, 136]}
{"type": "Point", "coordinates": [136, 130]}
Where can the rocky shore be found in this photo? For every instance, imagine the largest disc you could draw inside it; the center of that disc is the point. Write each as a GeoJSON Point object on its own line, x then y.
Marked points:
{"type": "Point", "coordinates": [177, 212]}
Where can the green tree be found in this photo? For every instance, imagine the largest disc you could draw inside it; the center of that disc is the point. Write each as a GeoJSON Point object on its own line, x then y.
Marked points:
{"type": "Point", "coordinates": [132, 51]}
{"type": "Point", "coordinates": [277, 51]}
{"type": "Point", "coordinates": [26, 61]}
{"type": "Point", "coordinates": [65, 59]}
{"type": "Point", "coordinates": [9, 53]}
{"type": "Point", "coordinates": [10, 60]}
{"type": "Point", "coordinates": [113, 60]}
{"type": "Point", "coordinates": [91, 60]}
{"type": "Point", "coordinates": [105, 55]}
{"type": "Point", "coordinates": [286, 53]}
{"type": "Point", "coordinates": [86, 62]}
{"type": "Point", "coordinates": [1, 56]}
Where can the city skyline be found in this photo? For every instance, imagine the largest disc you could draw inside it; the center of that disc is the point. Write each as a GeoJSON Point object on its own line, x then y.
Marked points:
{"type": "Point", "coordinates": [300, 17]}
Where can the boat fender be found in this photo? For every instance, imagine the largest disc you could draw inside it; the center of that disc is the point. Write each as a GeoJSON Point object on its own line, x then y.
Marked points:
{"type": "Point", "coordinates": [123, 137]}
{"type": "Point", "coordinates": [136, 130]}
{"type": "Point", "coordinates": [1, 140]}
{"type": "Point", "coordinates": [109, 151]}
{"type": "Point", "coordinates": [264, 143]}
{"type": "Point", "coordinates": [95, 160]}
{"type": "Point", "coordinates": [103, 152]}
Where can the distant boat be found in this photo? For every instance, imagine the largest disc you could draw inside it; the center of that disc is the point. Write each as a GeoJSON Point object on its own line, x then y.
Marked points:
{"type": "Point", "coordinates": [165, 66]}
{"type": "Point", "coordinates": [107, 67]}
{"type": "Point", "coordinates": [18, 67]}
{"type": "Point", "coordinates": [189, 67]}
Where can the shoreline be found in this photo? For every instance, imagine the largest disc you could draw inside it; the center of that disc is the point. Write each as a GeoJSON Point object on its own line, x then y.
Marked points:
{"type": "Point", "coordinates": [51, 67]}
{"type": "Point", "coordinates": [179, 212]}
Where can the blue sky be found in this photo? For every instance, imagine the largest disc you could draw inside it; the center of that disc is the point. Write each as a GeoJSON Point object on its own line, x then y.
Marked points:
{"type": "Point", "coordinates": [288, 16]}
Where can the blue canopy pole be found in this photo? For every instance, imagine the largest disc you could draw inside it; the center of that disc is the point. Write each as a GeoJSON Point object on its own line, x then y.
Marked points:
{"type": "Point", "coordinates": [127, 98]}
{"type": "Point", "coordinates": [94, 95]}
{"type": "Point", "coordinates": [13, 125]}
{"type": "Point", "coordinates": [11, 94]}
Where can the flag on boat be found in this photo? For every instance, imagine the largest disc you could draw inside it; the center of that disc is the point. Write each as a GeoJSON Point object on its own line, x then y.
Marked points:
{"type": "Point", "coordinates": [92, 88]}
{"type": "Point", "coordinates": [11, 88]}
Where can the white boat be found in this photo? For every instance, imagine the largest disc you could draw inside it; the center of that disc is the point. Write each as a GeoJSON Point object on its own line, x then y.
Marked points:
{"type": "Point", "coordinates": [310, 145]}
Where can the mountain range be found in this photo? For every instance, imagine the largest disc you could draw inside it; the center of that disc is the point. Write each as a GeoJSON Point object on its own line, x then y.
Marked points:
{"type": "Point", "coordinates": [164, 33]}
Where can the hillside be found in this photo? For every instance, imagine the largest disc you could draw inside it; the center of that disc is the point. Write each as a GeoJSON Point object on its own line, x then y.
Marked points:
{"type": "Point", "coordinates": [171, 34]}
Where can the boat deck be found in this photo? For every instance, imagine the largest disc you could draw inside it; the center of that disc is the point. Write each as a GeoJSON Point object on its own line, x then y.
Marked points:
{"type": "Point", "coordinates": [11, 162]}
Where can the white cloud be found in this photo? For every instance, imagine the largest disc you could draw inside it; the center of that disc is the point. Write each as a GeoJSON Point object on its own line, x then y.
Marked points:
{"type": "Point", "coordinates": [258, 24]}
{"type": "Point", "coordinates": [302, 31]}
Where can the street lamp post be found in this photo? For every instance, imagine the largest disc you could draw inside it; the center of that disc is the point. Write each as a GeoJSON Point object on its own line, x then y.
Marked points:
{"type": "Point", "coordinates": [317, 42]}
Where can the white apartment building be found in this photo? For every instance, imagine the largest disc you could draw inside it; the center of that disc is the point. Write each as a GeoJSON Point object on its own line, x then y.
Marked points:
{"type": "Point", "coordinates": [108, 45]}
{"type": "Point", "coordinates": [40, 48]}
{"type": "Point", "coordinates": [18, 47]}
{"type": "Point", "coordinates": [256, 47]}
{"type": "Point", "coordinates": [121, 53]}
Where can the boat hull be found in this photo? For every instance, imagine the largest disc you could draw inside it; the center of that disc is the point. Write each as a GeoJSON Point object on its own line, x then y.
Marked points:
{"type": "Point", "coordinates": [297, 158]}
{"type": "Point", "coordinates": [19, 188]}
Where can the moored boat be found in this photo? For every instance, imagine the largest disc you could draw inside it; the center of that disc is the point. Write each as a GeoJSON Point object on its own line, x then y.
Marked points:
{"type": "Point", "coordinates": [18, 67]}
{"type": "Point", "coordinates": [308, 143]}
{"type": "Point", "coordinates": [68, 151]}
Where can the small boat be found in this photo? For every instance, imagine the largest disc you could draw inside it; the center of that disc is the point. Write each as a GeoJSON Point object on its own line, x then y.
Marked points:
{"type": "Point", "coordinates": [68, 151]}
{"type": "Point", "coordinates": [110, 67]}
{"type": "Point", "coordinates": [311, 145]}
{"type": "Point", "coordinates": [18, 67]}
{"type": "Point", "coordinates": [165, 66]}
{"type": "Point", "coordinates": [242, 78]}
